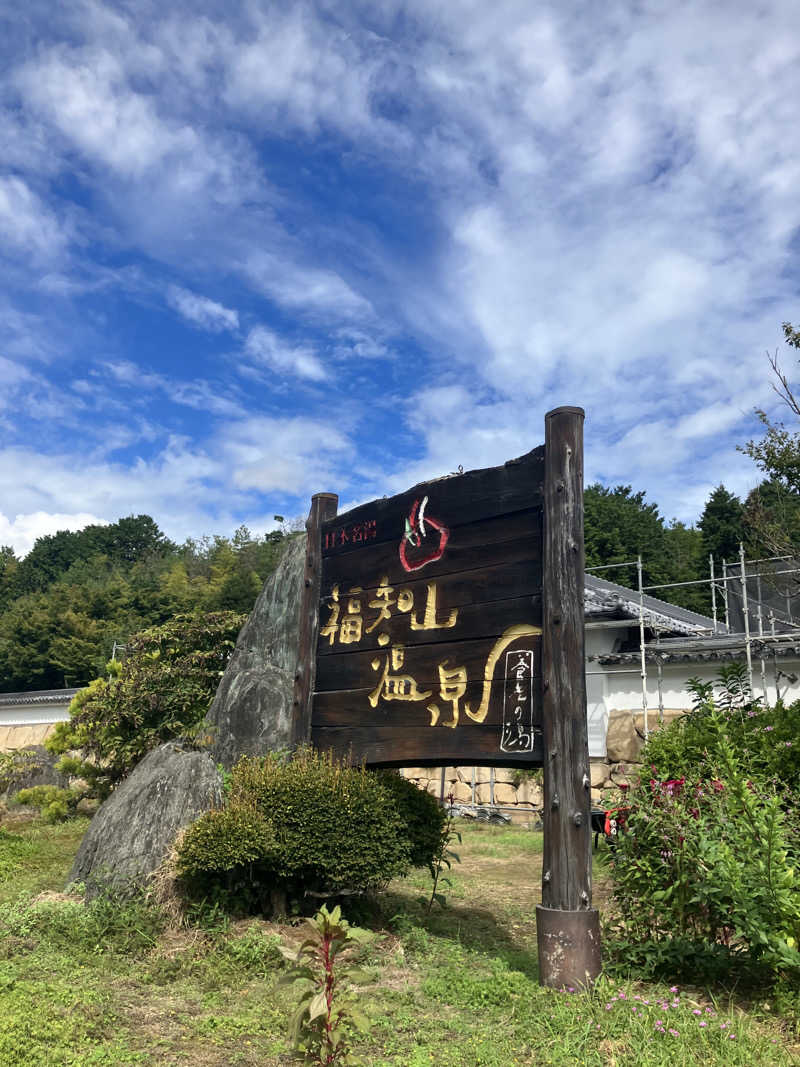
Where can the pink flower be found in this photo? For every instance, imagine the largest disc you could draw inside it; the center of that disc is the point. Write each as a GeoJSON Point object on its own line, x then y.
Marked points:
{"type": "Point", "coordinates": [674, 988]}
{"type": "Point", "coordinates": [704, 1023]}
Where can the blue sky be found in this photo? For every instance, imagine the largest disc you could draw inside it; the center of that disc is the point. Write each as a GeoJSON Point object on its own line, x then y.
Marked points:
{"type": "Point", "coordinates": [249, 256]}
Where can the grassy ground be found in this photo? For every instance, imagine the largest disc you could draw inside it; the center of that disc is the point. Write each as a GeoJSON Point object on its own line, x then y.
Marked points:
{"type": "Point", "coordinates": [107, 984]}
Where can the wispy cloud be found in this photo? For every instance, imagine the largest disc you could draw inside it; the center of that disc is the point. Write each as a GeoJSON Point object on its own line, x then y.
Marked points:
{"type": "Point", "coordinates": [265, 348]}
{"type": "Point", "coordinates": [205, 313]}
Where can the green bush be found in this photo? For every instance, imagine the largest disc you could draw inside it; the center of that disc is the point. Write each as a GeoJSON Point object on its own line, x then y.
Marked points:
{"type": "Point", "coordinates": [767, 740]}
{"type": "Point", "coordinates": [308, 826]}
{"type": "Point", "coordinates": [15, 766]}
{"type": "Point", "coordinates": [423, 817]}
{"type": "Point", "coordinates": [705, 876]}
{"type": "Point", "coordinates": [54, 804]}
{"type": "Point", "coordinates": [161, 690]}
{"type": "Point", "coordinates": [230, 854]}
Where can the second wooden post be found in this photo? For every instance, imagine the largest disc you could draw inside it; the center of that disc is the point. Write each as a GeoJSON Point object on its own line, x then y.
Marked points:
{"type": "Point", "coordinates": [568, 928]}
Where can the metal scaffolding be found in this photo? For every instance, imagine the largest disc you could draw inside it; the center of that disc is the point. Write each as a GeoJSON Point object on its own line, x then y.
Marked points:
{"type": "Point", "coordinates": [762, 642]}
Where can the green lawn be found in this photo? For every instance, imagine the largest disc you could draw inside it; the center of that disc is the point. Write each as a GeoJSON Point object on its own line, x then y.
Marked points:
{"type": "Point", "coordinates": [108, 984]}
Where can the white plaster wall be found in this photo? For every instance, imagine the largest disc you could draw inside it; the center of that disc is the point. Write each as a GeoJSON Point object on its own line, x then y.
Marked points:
{"type": "Point", "coordinates": [598, 641]}
{"type": "Point", "coordinates": [33, 715]}
{"type": "Point", "coordinates": [624, 691]}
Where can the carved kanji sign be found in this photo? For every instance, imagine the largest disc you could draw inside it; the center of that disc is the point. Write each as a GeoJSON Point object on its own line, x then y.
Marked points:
{"type": "Point", "coordinates": [430, 622]}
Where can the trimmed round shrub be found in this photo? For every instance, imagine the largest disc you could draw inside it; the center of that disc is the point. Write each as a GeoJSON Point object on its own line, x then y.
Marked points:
{"type": "Point", "coordinates": [423, 817]}
{"type": "Point", "coordinates": [338, 827]}
{"type": "Point", "coordinates": [305, 826]}
{"type": "Point", "coordinates": [228, 838]}
{"type": "Point", "coordinates": [229, 856]}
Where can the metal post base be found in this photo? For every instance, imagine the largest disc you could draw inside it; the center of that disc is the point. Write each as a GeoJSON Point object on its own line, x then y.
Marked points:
{"type": "Point", "coordinates": [569, 947]}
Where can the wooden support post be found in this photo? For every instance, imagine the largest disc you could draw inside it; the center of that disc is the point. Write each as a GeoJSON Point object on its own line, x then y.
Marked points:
{"type": "Point", "coordinates": [323, 507]}
{"type": "Point", "coordinates": [568, 928]}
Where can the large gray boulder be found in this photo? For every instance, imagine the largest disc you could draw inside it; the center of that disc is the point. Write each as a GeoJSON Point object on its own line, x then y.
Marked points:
{"type": "Point", "coordinates": [252, 710]}
{"type": "Point", "coordinates": [173, 786]}
{"type": "Point", "coordinates": [133, 830]}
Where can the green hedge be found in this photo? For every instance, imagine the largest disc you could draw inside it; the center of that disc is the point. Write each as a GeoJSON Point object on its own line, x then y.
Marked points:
{"type": "Point", "coordinates": [422, 814]}
{"type": "Point", "coordinates": [308, 825]}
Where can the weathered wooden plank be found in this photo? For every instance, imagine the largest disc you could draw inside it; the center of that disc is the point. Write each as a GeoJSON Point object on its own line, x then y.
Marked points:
{"type": "Point", "coordinates": [406, 747]}
{"type": "Point", "coordinates": [566, 880]}
{"type": "Point", "coordinates": [356, 670]}
{"type": "Point", "coordinates": [486, 620]}
{"type": "Point", "coordinates": [481, 586]}
{"type": "Point", "coordinates": [517, 540]}
{"type": "Point", "coordinates": [352, 708]}
{"type": "Point", "coordinates": [453, 501]}
{"type": "Point", "coordinates": [323, 506]}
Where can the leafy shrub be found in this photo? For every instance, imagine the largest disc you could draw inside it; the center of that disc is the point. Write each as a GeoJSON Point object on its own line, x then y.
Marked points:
{"type": "Point", "coordinates": [161, 690]}
{"type": "Point", "coordinates": [338, 827]}
{"type": "Point", "coordinates": [54, 804]}
{"type": "Point", "coordinates": [767, 739]}
{"type": "Point", "coordinates": [230, 853]}
{"type": "Point", "coordinates": [423, 817]}
{"type": "Point", "coordinates": [16, 765]}
{"type": "Point", "coordinates": [306, 826]}
{"type": "Point", "coordinates": [705, 876]}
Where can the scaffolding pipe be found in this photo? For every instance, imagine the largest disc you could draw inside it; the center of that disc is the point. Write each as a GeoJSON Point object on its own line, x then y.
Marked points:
{"type": "Point", "coordinates": [641, 646]}
{"type": "Point", "coordinates": [746, 613]}
{"type": "Point", "coordinates": [612, 566]}
{"type": "Point", "coordinates": [732, 578]}
{"type": "Point", "coordinates": [713, 590]}
{"type": "Point", "coordinates": [725, 594]}
{"type": "Point", "coordinates": [761, 649]}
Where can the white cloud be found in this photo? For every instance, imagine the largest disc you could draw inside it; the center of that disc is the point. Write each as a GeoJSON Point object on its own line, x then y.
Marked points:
{"type": "Point", "coordinates": [199, 394]}
{"type": "Point", "coordinates": [205, 313]}
{"type": "Point", "coordinates": [297, 287]}
{"type": "Point", "coordinates": [188, 489]}
{"type": "Point", "coordinates": [300, 69]}
{"type": "Point", "coordinates": [300, 456]}
{"type": "Point", "coordinates": [85, 94]}
{"type": "Point", "coordinates": [265, 347]}
{"type": "Point", "coordinates": [26, 223]}
{"type": "Point", "coordinates": [22, 530]}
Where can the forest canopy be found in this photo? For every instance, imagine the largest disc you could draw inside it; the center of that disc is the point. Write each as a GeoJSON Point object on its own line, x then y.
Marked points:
{"type": "Point", "coordinates": [77, 594]}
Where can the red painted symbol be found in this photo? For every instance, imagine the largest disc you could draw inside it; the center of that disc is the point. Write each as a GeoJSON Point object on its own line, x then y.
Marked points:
{"type": "Point", "coordinates": [424, 540]}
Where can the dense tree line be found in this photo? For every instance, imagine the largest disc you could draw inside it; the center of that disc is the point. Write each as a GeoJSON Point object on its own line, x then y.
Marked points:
{"type": "Point", "coordinates": [65, 604]}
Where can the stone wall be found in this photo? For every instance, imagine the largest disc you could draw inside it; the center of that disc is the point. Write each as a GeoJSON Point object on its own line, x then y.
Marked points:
{"type": "Point", "coordinates": [513, 790]}
{"type": "Point", "coordinates": [13, 737]}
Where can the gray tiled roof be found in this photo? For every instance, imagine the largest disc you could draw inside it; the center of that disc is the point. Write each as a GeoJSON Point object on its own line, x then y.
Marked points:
{"type": "Point", "coordinates": [42, 696]}
{"type": "Point", "coordinates": [604, 599]}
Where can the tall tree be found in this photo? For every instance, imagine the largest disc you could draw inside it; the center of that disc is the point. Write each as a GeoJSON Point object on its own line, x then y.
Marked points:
{"type": "Point", "coordinates": [619, 525]}
{"type": "Point", "coordinates": [772, 511]}
{"type": "Point", "coordinates": [722, 524]}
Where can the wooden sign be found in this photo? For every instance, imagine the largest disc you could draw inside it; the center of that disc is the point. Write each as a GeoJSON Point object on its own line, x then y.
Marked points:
{"type": "Point", "coordinates": [430, 622]}
{"type": "Point", "coordinates": [444, 626]}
